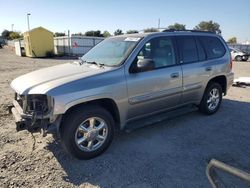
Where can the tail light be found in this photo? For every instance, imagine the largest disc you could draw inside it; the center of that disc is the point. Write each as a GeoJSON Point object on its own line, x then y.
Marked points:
{"type": "Point", "coordinates": [231, 64]}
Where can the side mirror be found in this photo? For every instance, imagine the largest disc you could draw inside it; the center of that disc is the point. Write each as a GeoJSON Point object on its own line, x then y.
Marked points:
{"type": "Point", "coordinates": [143, 65]}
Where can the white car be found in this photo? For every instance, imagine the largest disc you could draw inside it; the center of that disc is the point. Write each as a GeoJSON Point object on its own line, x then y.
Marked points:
{"type": "Point", "coordinates": [238, 55]}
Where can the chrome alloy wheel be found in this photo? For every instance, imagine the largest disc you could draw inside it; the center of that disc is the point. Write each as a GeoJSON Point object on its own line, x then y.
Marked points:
{"type": "Point", "coordinates": [213, 99]}
{"type": "Point", "coordinates": [91, 134]}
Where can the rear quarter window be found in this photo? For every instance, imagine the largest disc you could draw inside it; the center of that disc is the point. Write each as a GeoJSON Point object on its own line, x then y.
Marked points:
{"type": "Point", "coordinates": [213, 46]}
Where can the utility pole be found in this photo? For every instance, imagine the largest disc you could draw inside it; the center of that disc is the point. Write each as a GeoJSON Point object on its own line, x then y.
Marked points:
{"type": "Point", "coordinates": [69, 40]}
{"type": "Point", "coordinates": [28, 21]}
{"type": "Point", "coordinates": [159, 23]}
{"type": "Point", "coordinates": [12, 26]}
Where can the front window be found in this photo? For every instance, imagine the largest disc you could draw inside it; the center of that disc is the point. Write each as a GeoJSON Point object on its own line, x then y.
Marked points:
{"type": "Point", "coordinates": [111, 51]}
{"type": "Point", "coordinates": [160, 50]}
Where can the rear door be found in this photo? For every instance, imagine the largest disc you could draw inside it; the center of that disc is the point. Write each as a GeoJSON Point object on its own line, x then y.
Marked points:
{"type": "Point", "coordinates": [202, 58]}
{"type": "Point", "coordinates": [157, 89]}
{"type": "Point", "coordinates": [196, 70]}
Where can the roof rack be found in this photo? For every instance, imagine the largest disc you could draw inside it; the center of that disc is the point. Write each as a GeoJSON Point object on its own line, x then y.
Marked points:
{"type": "Point", "coordinates": [197, 31]}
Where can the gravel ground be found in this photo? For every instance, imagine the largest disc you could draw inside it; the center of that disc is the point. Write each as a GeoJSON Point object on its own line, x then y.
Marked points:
{"type": "Point", "coordinates": [170, 154]}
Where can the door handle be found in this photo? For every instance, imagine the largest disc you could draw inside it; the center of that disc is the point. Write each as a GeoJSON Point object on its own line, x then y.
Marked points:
{"type": "Point", "coordinates": [208, 68]}
{"type": "Point", "coordinates": [174, 75]}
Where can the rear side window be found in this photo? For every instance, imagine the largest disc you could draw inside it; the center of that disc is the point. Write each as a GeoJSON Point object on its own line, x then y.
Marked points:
{"type": "Point", "coordinates": [213, 46]}
{"type": "Point", "coordinates": [188, 49]}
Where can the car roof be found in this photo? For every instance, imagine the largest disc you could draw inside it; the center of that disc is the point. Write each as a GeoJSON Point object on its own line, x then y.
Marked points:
{"type": "Point", "coordinates": [170, 33]}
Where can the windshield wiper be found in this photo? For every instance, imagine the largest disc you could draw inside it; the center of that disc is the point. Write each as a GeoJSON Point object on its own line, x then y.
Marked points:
{"type": "Point", "coordinates": [81, 61]}
{"type": "Point", "coordinates": [94, 63]}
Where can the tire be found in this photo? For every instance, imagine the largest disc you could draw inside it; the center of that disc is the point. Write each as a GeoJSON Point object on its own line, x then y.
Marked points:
{"type": "Point", "coordinates": [238, 58]}
{"type": "Point", "coordinates": [205, 106]}
{"type": "Point", "coordinates": [90, 131]}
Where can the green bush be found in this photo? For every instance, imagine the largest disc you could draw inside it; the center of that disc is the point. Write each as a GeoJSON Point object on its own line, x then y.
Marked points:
{"type": "Point", "coordinates": [50, 54]}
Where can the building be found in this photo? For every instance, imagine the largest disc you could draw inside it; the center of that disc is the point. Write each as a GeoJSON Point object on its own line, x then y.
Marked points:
{"type": "Point", "coordinates": [38, 42]}
{"type": "Point", "coordinates": [247, 42]}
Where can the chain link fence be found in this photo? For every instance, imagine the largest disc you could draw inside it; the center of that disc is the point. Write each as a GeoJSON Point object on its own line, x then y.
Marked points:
{"type": "Point", "coordinates": [75, 45]}
{"type": "Point", "coordinates": [242, 47]}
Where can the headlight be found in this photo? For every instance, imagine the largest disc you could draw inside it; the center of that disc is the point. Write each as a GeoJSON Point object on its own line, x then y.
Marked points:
{"type": "Point", "coordinates": [38, 104]}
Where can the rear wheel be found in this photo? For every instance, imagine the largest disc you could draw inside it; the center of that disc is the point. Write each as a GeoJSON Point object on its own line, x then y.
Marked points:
{"type": "Point", "coordinates": [87, 132]}
{"type": "Point", "coordinates": [238, 58]}
{"type": "Point", "coordinates": [211, 99]}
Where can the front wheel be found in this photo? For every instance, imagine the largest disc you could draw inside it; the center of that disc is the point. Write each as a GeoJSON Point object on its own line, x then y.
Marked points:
{"type": "Point", "coordinates": [87, 132]}
{"type": "Point", "coordinates": [212, 98]}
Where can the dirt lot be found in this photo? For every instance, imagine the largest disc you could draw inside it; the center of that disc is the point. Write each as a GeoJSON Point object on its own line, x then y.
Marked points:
{"type": "Point", "coordinates": [170, 154]}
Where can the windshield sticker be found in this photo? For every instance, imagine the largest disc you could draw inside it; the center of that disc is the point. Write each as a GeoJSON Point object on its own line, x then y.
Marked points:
{"type": "Point", "coordinates": [132, 39]}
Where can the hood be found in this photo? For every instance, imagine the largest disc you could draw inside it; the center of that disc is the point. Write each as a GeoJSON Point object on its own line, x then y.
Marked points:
{"type": "Point", "coordinates": [238, 53]}
{"type": "Point", "coordinates": [43, 80]}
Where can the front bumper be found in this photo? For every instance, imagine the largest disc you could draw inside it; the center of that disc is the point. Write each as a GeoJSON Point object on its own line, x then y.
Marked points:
{"type": "Point", "coordinates": [32, 123]}
{"type": "Point", "coordinates": [23, 121]}
{"type": "Point", "coordinates": [28, 122]}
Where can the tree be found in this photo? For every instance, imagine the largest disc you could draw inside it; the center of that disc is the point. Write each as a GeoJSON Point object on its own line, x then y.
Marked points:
{"type": "Point", "coordinates": [232, 40]}
{"type": "Point", "coordinates": [132, 31]}
{"type": "Point", "coordinates": [208, 26]}
{"type": "Point", "coordinates": [77, 34]}
{"type": "Point", "coordinates": [150, 30]}
{"type": "Point", "coordinates": [106, 34]}
{"type": "Point", "coordinates": [118, 32]}
{"type": "Point", "coordinates": [177, 26]}
{"type": "Point", "coordinates": [93, 33]}
{"type": "Point", "coordinates": [59, 34]}
{"type": "Point", "coordinates": [14, 35]}
{"type": "Point", "coordinates": [5, 34]}
{"type": "Point", "coordinates": [11, 35]}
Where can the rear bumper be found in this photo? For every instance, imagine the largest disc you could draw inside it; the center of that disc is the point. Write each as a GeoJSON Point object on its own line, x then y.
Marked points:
{"type": "Point", "coordinates": [230, 80]}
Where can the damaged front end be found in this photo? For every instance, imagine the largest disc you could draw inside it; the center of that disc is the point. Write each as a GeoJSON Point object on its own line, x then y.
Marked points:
{"type": "Point", "coordinates": [33, 112]}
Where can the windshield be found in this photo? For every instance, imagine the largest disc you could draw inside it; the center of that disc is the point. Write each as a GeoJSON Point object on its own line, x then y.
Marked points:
{"type": "Point", "coordinates": [111, 51]}
{"type": "Point", "coordinates": [235, 49]}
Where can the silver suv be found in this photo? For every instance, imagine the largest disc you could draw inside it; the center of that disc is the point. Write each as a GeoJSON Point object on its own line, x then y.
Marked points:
{"type": "Point", "coordinates": [123, 81]}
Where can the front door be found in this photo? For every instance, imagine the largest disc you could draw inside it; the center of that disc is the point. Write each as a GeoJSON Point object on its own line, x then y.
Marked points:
{"type": "Point", "coordinates": [157, 89]}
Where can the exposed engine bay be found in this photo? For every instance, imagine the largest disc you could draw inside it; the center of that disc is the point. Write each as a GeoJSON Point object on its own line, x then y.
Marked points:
{"type": "Point", "coordinates": [32, 112]}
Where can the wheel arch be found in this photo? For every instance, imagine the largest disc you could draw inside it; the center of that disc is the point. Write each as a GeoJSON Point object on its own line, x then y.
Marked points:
{"type": "Point", "coordinates": [238, 56]}
{"type": "Point", "coordinates": [106, 103]}
{"type": "Point", "coordinates": [222, 80]}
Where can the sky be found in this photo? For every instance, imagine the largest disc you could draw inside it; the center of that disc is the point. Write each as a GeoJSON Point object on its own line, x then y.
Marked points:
{"type": "Point", "coordinates": [83, 15]}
